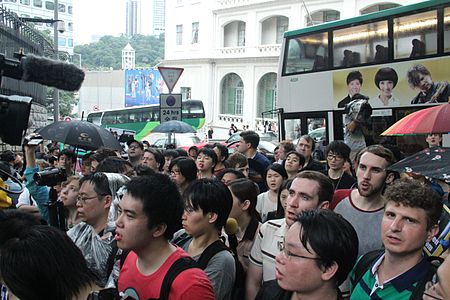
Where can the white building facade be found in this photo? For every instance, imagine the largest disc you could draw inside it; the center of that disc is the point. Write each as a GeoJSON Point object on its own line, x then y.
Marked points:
{"type": "Point", "coordinates": [44, 9]}
{"type": "Point", "coordinates": [230, 49]}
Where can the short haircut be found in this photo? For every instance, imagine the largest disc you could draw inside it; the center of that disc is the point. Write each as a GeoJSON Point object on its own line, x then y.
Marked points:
{"type": "Point", "coordinates": [23, 259]}
{"type": "Point", "coordinates": [301, 158]}
{"type": "Point", "coordinates": [142, 170]}
{"type": "Point", "coordinates": [14, 221]}
{"type": "Point", "coordinates": [338, 148]}
{"type": "Point", "coordinates": [245, 189]}
{"type": "Point", "coordinates": [5, 167]}
{"type": "Point", "coordinates": [100, 182]}
{"type": "Point", "coordinates": [193, 148]}
{"type": "Point", "coordinates": [288, 146]}
{"type": "Point", "coordinates": [211, 196]}
{"type": "Point", "coordinates": [209, 152]}
{"type": "Point", "coordinates": [113, 165]}
{"type": "Point", "coordinates": [159, 157]}
{"type": "Point", "coordinates": [386, 74]}
{"type": "Point", "coordinates": [326, 189]}
{"type": "Point", "coordinates": [414, 73]}
{"type": "Point", "coordinates": [186, 166]}
{"type": "Point", "coordinates": [181, 152]}
{"type": "Point", "coordinates": [7, 156]}
{"type": "Point", "coordinates": [69, 153]}
{"type": "Point", "coordinates": [171, 153]}
{"type": "Point", "coordinates": [103, 153]}
{"type": "Point", "coordinates": [276, 167]}
{"type": "Point", "coordinates": [251, 137]}
{"type": "Point", "coordinates": [332, 238]}
{"type": "Point", "coordinates": [377, 150]}
{"type": "Point", "coordinates": [412, 193]}
{"type": "Point", "coordinates": [161, 200]}
{"type": "Point", "coordinates": [223, 150]}
{"type": "Point", "coordinates": [309, 139]}
{"type": "Point", "coordinates": [354, 75]}
{"type": "Point", "coordinates": [237, 173]}
{"type": "Point", "coordinates": [238, 159]}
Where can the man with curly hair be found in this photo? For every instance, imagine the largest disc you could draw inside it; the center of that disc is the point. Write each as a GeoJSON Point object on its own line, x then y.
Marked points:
{"type": "Point", "coordinates": [399, 271]}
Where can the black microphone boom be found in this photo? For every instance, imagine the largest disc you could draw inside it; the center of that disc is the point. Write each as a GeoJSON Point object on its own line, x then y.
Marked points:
{"type": "Point", "coordinates": [58, 74]}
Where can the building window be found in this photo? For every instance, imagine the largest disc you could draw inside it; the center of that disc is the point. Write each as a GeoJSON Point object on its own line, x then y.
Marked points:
{"type": "Point", "coordinates": [70, 42]}
{"type": "Point", "coordinates": [61, 41]}
{"type": "Point", "coordinates": [37, 3]}
{"type": "Point", "coordinates": [70, 26]}
{"type": "Point", "coordinates": [61, 8]}
{"type": "Point", "coordinates": [185, 93]}
{"type": "Point", "coordinates": [25, 2]}
{"type": "Point", "coordinates": [267, 87]}
{"type": "Point", "coordinates": [232, 95]}
{"type": "Point", "coordinates": [179, 36]}
{"type": "Point", "coordinates": [282, 26]}
{"type": "Point", "coordinates": [378, 7]}
{"type": "Point", "coordinates": [239, 99]}
{"type": "Point", "coordinates": [322, 16]}
{"type": "Point", "coordinates": [49, 5]}
{"type": "Point", "coordinates": [69, 9]}
{"type": "Point", "coordinates": [241, 34]}
{"type": "Point", "coordinates": [195, 27]}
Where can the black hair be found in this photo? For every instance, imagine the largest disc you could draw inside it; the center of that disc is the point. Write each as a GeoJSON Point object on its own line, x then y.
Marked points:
{"type": "Point", "coordinates": [52, 160]}
{"type": "Point", "coordinates": [181, 152]}
{"type": "Point", "coordinates": [5, 167]}
{"type": "Point", "coordinates": [245, 189]}
{"type": "Point", "coordinates": [237, 173]}
{"type": "Point", "coordinates": [223, 151]}
{"type": "Point", "coordinates": [354, 75]}
{"type": "Point", "coordinates": [69, 153]}
{"type": "Point", "coordinates": [171, 152]}
{"type": "Point", "coordinates": [113, 165]}
{"type": "Point", "coordinates": [210, 195]}
{"type": "Point", "coordinates": [209, 152]}
{"type": "Point", "coordinates": [186, 166]}
{"type": "Point", "coordinates": [277, 168]}
{"type": "Point", "coordinates": [46, 251]}
{"type": "Point", "coordinates": [301, 158]}
{"type": "Point", "coordinates": [142, 170]}
{"type": "Point", "coordinates": [103, 153]}
{"type": "Point", "coordinates": [14, 221]}
{"type": "Point", "coordinates": [333, 239]}
{"type": "Point", "coordinates": [285, 185]}
{"type": "Point", "coordinates": [159, 157]}
{"type": "Point", "coordinates": [386, 74]}
{"type": "Point", "coordinates": [161, 201]}
{"type": "Point", "coordinates": [100, 182]}
{"type": "Point", "coordinates": [338, 148]}
{"type": "Point", "coordinates": [251, 137]}
{"type": "Point", "coordinates": [7, 156]}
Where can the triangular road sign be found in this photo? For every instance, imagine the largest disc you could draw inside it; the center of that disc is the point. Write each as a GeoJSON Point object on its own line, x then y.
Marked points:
{"type": "Point", "coordinates": [170, 76]}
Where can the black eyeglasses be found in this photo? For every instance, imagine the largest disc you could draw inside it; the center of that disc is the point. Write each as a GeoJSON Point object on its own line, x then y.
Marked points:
{"type": "Point", "coordinates": [289, 254]}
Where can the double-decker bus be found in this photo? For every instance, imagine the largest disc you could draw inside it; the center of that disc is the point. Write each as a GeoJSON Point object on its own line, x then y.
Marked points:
{"type": "Point", "coordinates": [140, 120]}
{"type": "Point", "coordinates": [382, 55]}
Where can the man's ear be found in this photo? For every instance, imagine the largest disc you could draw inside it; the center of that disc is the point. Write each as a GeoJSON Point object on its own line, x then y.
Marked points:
{"type": "Point", "coordinates": [324, 205]}
{"type": "Point", "coordinates": [329, 272]}
{"type": "Point", "coordinates": [245, 205]}
{"type": "Point", "coordinates": [212, 217]}
{"type": "Point", "coordinates": [159, 230]}
{"type": "Point", "coordinates": [108, 201]}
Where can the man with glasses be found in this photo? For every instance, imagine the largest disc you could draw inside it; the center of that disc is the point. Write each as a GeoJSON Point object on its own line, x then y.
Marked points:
{"type": "Point", "coordinates": [318, 252]}
{"type": "Point", "coordinates": [337, 152]}
{"type": "Point", "coordinates": [93, 235]}
{"type": "Point", "coordinates": [309, 190]}
{"type": "Point", "coordinates": [135, 152]}
{"type": "Point", "coordinates": [363, 206]}
{"type": "Point", "coordinates": [400, 271]}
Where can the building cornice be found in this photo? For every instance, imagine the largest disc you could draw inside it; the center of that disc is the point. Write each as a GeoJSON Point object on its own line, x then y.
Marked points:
{"type": "Point", "coordinates": [237, 60]}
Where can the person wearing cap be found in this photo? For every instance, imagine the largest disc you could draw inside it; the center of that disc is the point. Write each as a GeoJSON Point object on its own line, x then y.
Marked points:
{"type": "Point", "coordinates": [135, 152]}
{"type": "Point", "coordinates": [385, 79]}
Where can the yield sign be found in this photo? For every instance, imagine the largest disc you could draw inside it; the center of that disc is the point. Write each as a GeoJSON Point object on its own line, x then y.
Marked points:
{"type": "Point", "coordinates": [170, 76]}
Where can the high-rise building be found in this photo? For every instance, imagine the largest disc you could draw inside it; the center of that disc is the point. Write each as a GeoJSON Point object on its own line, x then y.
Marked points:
{"type": "Point", "coordinates": [45, 10]}
{"type": "Point", "coordinates": [159, 7]}
{"type": "Point", "coordinates": [133, 19]}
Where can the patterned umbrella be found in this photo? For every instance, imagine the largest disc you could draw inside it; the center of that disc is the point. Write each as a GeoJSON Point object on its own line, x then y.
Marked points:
{"type": "Point", "coordinates": [434, 119]}
{"type": "Point", "coordinates": [433, 162]}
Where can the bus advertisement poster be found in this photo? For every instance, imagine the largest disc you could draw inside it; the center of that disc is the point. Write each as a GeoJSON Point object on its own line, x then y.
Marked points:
{"type": "Point", "coordinates": [395, 84]}
{"type": "Point", "coordinates": [142, 87]}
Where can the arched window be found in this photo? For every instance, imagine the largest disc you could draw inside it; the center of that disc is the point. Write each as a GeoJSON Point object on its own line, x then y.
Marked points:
{"type": "Point", "coordinates": [272, 30]}
{"type": "Point", "coordinates": [378, 7]}
{"type": "Point", "coordinates": [267, 94]}
{"type": "Point", "coordinates": [234, 34]}
{"type": "Point", "coordinates": [322, 16]}
{"type": "Point", "coordinates": [232, 95]}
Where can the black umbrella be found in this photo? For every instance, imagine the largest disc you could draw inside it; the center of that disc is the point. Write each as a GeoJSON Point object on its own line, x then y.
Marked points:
{"type": "Point", "coordinates": [433, 162]}
{"type": "Point", "coordinates": [174, 127]}
{"type": "Point", "coordinates": [81, 134]}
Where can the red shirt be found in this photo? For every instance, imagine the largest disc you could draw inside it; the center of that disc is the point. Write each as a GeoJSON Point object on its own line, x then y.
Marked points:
{"type": "Point", "coordinates": [189, 284]}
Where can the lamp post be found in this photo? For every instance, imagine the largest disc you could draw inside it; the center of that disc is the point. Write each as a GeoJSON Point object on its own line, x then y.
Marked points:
{"type": "Point", "coordinates": [55, 40]}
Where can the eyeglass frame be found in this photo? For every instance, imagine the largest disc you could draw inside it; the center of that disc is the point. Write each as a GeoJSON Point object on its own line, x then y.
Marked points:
{"type": "Point", "coordinates": [431, 285]}
{"type": "Point", "coordinates": [336, 157]}
{"type": "Point", "coordinates": [83, 200]}
{"type": "Point", "coordinates": [288, 254]}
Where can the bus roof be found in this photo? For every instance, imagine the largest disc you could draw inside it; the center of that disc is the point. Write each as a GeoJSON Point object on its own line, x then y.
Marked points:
{"type": "Point", "coordinates": [367, 17]}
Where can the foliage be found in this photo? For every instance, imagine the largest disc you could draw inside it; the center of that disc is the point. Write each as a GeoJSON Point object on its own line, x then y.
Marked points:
{"type": "Point", "coordinates": [67, 101]}
{"type": "Point", "coordinates": [107, 52]}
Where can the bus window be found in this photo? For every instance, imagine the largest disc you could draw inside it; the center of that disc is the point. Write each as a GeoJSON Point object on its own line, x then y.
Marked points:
{"type": "Point", "coordinates": [415, 35]}
{"type": "Point", "coordinates": [135, 115]}
{"type": "Point", "coordinates": [293, 129]}
{"type": "Point", "coordinates": [447, 29]}
{"type": "Point", "coordinates": [109, 118]}
{"type": "Point", "coordinates": [95, 118]}
{"type": "Point", "coordinates": [307, 53]}
{"type": "Point", "coordinates": [122, 117]}
{"type": "Point", "coordinates": [360, 44]}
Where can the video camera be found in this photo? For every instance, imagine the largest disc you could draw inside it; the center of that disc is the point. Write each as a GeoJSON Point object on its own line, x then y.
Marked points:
{"type": "Point", "coordinates": [50, 177]}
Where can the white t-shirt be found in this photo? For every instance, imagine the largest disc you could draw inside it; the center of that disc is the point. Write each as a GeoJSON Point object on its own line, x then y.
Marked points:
{"type": "Point", "coordinates": [25, 199]}
{"type": "Point", "coordinates": [264, 205]}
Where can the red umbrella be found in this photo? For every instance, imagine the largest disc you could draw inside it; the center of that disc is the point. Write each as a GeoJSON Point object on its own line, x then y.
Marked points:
{"type": "Point", "coordinates": [434, 119]}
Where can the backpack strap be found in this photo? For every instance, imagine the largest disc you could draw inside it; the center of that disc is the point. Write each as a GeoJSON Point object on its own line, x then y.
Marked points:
{"type": "Point", "coordinates": [364, 263]}
{"type": "Point", "coordinates": [209, 252]}
{"type": "Point", "coordinates": [180, 265]}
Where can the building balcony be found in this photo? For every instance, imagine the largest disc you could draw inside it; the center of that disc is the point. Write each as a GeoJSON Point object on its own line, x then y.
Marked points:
{"type": "Point", "coordinates": [231, 119]}
{"type": "Point", "coordinates": [258, 51]}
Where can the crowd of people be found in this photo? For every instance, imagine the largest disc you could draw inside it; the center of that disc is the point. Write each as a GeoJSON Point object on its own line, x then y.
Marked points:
{"type": "Point", "coordinates": [207, 224]}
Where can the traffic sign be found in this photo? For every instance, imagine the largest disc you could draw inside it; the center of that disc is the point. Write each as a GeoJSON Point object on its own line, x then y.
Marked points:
{"type": "Point", "coordinates": [170, 76]}
{"type": "Point", "coordinates": [67, 119]}
{"type": "Point", "coordinates": [170, 107]}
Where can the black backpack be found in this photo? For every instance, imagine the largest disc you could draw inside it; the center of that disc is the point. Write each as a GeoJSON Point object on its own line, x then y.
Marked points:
{"type": "Point", "coordinates": [368, 259]}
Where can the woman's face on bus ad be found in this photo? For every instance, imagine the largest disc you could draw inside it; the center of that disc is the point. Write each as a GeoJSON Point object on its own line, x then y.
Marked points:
{"type": "Point", "coordinates": [386, 87]}
{"type": "Point", "coordinates": [354, 87]}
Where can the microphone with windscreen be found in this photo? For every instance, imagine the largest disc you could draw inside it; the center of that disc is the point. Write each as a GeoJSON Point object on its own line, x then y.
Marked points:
{"type": "Point", "coordinates": [231, 228]}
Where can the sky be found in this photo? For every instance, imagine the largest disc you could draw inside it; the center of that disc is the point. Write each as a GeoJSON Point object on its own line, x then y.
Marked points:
{"type": "Point", "coordinates": [95, 18]}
